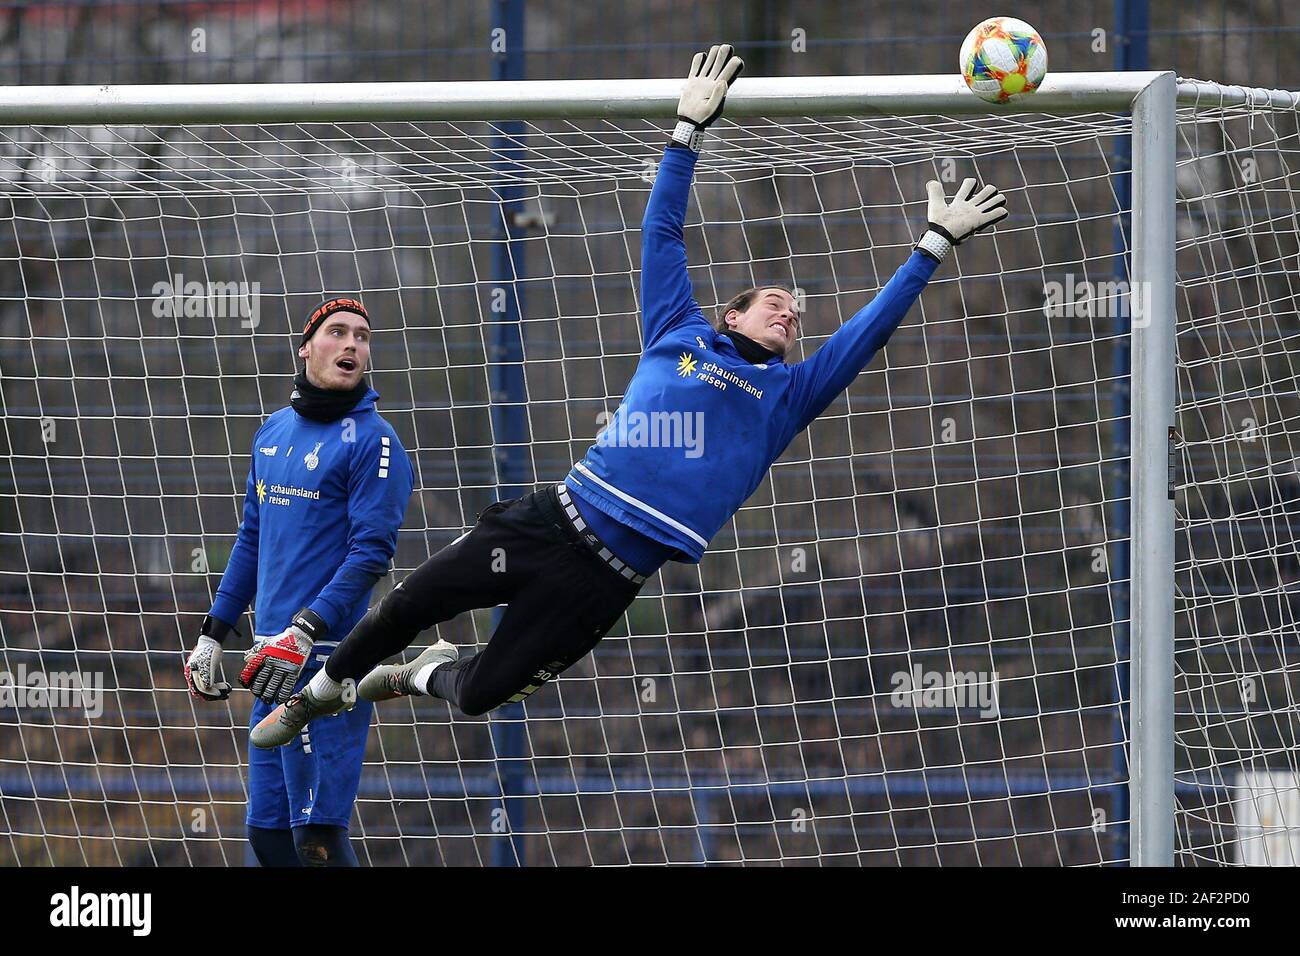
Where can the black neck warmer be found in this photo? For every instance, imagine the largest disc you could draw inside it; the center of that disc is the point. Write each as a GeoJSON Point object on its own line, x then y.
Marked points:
{"type": "Point", "coordinates": [324, 404]}
{"type": "Point", "coordinates": [750, 350]}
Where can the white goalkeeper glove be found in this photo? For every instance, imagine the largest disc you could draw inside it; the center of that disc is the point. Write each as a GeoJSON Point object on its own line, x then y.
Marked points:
{"type": "Point", "coordinates": [203, 666]}
{"type": "Point", "coordinates": [967, 214]}
{"type": "Point", "coordinates": [272, 665]}
{"type": "Point", "coordinates": [704, 93]}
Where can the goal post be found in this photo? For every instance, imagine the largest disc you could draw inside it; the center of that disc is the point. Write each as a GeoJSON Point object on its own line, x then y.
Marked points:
{"type": "Point", "coordinates": [811, 692]}
{"type": "Point", "coordinates": [1151, 761]}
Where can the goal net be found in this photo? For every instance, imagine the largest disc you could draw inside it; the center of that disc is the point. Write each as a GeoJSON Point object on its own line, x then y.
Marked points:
{"type": "Point", "coordinates": [911, 645]}
{"type": "Point", "coordinates": [1238, 505]}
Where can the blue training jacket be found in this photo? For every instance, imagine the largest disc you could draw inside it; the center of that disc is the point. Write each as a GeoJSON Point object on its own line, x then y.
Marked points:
{"type": "Point", "coordinates": [324, 503]}
{"type": "Point", "coordinates": [699, 427]}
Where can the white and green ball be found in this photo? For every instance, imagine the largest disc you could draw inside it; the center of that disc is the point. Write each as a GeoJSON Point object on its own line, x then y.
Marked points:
{"type": "Point", "coordinates": [1003, 58]}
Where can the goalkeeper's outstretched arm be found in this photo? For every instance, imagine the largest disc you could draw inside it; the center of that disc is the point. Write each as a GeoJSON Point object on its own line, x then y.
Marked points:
{"type": "Point", "coordinates": [665, 285]}
{"type": "Point", "coordinates": [834, 366]}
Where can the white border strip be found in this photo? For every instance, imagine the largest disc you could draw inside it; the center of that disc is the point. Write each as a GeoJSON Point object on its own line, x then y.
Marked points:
{"type": "Point", "coordinates": [642, 506]}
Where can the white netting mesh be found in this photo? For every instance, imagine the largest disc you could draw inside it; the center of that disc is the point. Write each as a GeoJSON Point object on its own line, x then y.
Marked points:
{"type": "Point", "coordinates": [957, 519]}
{"type": "Point", "coordinates": [1238, 657]}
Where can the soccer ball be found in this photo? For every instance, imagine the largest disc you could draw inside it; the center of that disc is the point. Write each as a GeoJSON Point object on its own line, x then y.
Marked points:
{"type": "Point", "coordinates": [1003, 58]}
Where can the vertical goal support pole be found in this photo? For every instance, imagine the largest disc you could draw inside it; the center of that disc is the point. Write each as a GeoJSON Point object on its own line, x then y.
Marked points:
{"type": "Point", "coordinates": [1152, 308]}
{"type": "Point", "coordinates": [509, 400]}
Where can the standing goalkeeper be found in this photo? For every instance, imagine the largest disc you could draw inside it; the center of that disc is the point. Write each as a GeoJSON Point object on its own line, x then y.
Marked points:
{"type": "Point", "coordinates": [327, 491]}
{"type": "Point", "coordinates": [569, 559]}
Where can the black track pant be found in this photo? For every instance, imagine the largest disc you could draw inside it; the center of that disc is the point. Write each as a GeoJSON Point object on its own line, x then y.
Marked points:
{"type": "Point", "coordinates": [562, 599]}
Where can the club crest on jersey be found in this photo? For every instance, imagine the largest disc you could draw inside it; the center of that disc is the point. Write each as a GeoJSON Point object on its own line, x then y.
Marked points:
{"type": "Point", "coordinates": [311, 459]}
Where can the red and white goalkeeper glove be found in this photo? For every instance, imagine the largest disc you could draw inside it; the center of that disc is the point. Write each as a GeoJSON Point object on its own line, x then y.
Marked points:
{"type": "Point", "coordinates": [272, 666]}
{"type": "Point", "coordinates": [203, 666]}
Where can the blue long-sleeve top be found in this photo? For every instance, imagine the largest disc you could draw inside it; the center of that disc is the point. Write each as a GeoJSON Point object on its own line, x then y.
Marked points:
{"type": "Point", "coordinates": [322, 509]}
{"type": "Point", "coordinates": [699, 426]}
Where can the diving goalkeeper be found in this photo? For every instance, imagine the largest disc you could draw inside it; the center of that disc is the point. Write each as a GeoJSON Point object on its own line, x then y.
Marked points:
{"type": "Point", "coordinates": [569, 559]}
{"type": "Point", "coordinates": [327, 490]}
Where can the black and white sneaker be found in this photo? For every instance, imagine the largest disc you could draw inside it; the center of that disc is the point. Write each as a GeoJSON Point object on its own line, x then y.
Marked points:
{"type": "Point", "coordinates": [287, 721]}
{"type": "Point", "coordinates": [390, 681]}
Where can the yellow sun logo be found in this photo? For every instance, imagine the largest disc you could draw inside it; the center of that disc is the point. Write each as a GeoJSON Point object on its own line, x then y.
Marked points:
{"type": "Point", "coordinates": [685, 365]}
{"type": "Point", "coordinates": [261, 491]}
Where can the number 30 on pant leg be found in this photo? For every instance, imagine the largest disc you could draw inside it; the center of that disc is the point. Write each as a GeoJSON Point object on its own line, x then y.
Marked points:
{"type": "Point", "coordinates": [540, 677]}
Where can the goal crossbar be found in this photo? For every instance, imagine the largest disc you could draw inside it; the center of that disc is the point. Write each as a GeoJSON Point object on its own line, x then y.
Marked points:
{"type": "Point", "coordinates": [1063, 93]}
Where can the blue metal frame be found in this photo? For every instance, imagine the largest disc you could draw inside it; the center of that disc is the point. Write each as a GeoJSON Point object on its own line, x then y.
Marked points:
{"type": "Point", "coordinates": [1132, 19]}
{"type": "Point", "coordinates": [508, 404]}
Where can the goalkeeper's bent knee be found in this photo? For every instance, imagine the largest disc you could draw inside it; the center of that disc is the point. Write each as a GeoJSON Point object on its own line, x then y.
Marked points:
{"type": "Point", "coordinates": [273, 847]}
{"type": "Point", "coordinates": [475, 699]}
{"type": "Point", "coordinates": [379, 635]}
{"type": "Point", "coordinates": [321, 845]}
